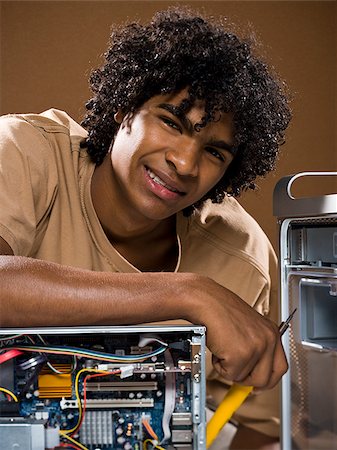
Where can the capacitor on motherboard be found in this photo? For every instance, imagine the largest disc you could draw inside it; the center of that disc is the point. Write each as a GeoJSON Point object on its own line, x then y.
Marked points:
{"type": "Point", "coordinates": [127, 446]}
{"type": "Point", "coordinates": [129, 430]}
{"type": "Point", "coordinates": [121, 439]}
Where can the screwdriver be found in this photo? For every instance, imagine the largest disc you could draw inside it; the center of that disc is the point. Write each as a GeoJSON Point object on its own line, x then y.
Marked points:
{"type": "Point", "coordinates": [235, 396]}
{"type": "Point", "coordinates": [285, 325]}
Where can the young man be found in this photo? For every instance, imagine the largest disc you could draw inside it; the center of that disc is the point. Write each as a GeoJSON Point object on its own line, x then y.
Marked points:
{"type": "Point", "coordinates": [134, 220]}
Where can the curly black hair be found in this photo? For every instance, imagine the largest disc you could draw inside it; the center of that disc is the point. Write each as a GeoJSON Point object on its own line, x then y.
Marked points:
{"type": "Point", "coordinates": [180, 49]}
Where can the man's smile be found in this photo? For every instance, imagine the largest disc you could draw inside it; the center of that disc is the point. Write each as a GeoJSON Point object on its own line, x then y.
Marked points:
{"type": "Point", "coordinates": [162, 185]}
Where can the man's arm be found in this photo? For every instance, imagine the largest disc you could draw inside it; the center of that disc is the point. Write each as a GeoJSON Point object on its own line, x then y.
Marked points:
{"type": "Point", "coordinates": [246, 347]}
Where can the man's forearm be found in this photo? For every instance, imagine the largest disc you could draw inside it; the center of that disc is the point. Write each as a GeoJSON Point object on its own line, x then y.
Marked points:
{"type": "Point", "coordinates": [39, 293]}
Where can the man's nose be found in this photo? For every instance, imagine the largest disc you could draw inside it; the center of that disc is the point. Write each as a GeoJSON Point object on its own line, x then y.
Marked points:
{"type": "Point", "coordinates": [184, 157]}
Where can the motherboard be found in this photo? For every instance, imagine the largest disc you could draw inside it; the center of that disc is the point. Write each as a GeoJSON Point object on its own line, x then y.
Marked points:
{"type": "Point", "coordinates": [106, 388]}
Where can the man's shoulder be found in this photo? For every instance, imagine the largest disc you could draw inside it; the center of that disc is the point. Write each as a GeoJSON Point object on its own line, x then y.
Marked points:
{"type": "Point", "coordinates": [228, 221]}
{"type": "Point", "coordinates": [40, 138]}
{"type": "Point", "coordinates": [51, 121]}
{"type": "Point", "coordinates": [63, 119]}
{"type": "Point", "coordinates": [227, 229]}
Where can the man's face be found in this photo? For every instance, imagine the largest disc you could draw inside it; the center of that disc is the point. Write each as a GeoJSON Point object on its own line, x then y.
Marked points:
{"type": "Point", "coordinates": [161, 164]}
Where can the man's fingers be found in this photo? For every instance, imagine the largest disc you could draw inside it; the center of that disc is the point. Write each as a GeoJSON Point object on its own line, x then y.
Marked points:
{"type": "Point", "coordinates": [261, 368]}
{"type": "Point", "coordinates": [268, 371]}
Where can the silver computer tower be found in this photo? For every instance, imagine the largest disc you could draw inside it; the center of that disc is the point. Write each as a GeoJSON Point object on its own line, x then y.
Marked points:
{"type": "Point", "coordinates": [308, 273]}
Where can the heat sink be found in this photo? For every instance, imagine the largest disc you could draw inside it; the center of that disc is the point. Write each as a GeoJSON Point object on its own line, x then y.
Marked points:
{"type": "Point", "coordinates": [54, 385]}
{"type": "Point", "coordinates": [97, 428]}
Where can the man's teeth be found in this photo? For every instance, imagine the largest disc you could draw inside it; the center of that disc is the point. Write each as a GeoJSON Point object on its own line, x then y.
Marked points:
{"type": "Point", "coordinates": [160, 181]}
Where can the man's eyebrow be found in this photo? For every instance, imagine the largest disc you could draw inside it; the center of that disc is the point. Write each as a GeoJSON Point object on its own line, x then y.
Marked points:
{"type": "Point", "coordinates": [224, 146]}
{"type": "Point", "coordinates": [175, 111]}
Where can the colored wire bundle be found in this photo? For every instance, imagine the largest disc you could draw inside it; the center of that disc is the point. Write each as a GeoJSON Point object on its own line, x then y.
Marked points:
{"type": "Point", "coordinates": [78, 445]}
{"type": "Point", "coordinates": [151, 432]}
{"type": "Point", "coordinates": [79, 352]}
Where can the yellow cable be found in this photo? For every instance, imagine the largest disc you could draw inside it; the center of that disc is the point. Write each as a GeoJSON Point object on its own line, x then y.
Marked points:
{"type": "Point", "coordinates": [232, 401]}
{"type": "Point", "coordinates": [77, 394]}
{"type": "Point", "coordinates": [79, 401]}
{"type": "Point", "coordinates": [14, 397]}
{"type": "Point", "coordinates": [73, 440]}
{"type": "Point", "coordinates": [145, 443]}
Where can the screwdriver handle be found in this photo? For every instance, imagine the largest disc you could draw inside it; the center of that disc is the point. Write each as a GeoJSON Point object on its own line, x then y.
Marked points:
{"type": "Point", "coordinates": [236, 395]}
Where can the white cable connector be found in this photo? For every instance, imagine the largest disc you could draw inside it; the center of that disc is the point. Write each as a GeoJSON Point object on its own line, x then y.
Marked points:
{"type": "Point", "coordinates": [127, 371]}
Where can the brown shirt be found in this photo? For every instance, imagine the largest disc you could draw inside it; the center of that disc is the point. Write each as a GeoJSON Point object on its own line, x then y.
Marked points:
{"type": "Point", "coordinates": [46, 212]}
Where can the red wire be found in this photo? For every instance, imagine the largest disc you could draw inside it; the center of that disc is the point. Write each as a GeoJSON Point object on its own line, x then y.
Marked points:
{"type": "Point", "coordinates": [114, 372]}
{"type": "Point", "coordinates": [69, 445]}
{"type": "Point", "coordinates": [9, 355]}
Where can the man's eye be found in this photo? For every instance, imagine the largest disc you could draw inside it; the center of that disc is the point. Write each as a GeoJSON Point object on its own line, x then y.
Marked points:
{"type": "Point", "coordinates": [171, 123]}
{"type": "Point", "coordinates": [214, 152]}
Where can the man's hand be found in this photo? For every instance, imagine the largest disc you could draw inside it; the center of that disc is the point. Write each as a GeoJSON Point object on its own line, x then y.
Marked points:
{"type": "Point", "coordinates": [246, 346]}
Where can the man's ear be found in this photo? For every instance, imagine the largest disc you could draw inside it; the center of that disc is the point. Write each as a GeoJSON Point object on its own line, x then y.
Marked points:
{"type": "Point", "coordinates": [119, 116]}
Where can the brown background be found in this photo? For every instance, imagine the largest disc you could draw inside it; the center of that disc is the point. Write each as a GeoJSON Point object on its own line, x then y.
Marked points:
{"type": "Point", "coordinates": [48, 49]}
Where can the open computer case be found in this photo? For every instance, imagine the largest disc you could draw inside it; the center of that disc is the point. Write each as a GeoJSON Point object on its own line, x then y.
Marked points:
{"type": "Point", "coordinates": [103, 388]}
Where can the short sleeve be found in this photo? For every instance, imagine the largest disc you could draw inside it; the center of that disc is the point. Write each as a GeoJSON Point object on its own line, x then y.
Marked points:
{"type": "Point", "coordinates": [27, 182]}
